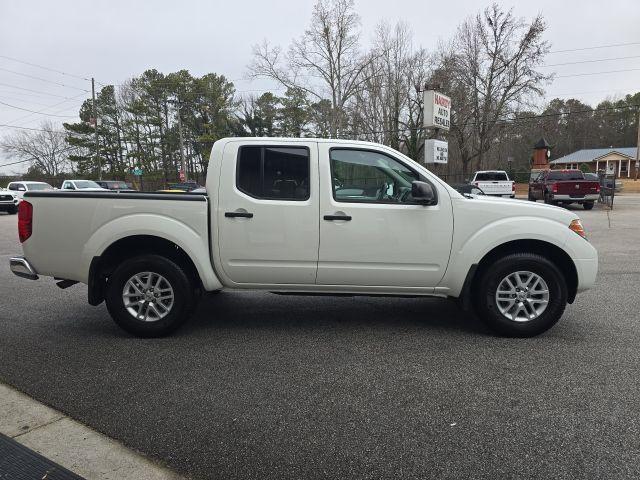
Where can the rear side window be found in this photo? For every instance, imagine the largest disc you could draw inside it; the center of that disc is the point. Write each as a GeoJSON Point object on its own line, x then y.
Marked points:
{"type": "Point", "coordinates": [273, 173]}
{"type": "Point", "coordinates": [491, 176]}
{"type": "Point", "coordinates": [566, 175]}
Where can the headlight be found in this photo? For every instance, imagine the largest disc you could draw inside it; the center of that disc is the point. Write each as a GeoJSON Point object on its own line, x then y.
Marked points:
{"type": "Point", "coordinates": [577, 227]}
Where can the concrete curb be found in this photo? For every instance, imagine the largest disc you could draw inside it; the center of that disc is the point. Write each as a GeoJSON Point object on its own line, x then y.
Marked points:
{"type": "Point", "coordinates": [72, 444]}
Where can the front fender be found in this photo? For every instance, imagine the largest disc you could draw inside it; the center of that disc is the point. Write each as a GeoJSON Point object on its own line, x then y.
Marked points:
{"type": "Point", "coordinates": [469, 249]}
{"type": "Point", "coordinates": [195, 244]}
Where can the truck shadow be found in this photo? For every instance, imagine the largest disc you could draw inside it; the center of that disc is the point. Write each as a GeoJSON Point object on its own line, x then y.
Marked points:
{"type": "Point", "coordinates": [247, 310]}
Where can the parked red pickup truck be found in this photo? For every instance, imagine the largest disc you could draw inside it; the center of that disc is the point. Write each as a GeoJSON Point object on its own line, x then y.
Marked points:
{"type": "Point", "coordinates": [564, 187]}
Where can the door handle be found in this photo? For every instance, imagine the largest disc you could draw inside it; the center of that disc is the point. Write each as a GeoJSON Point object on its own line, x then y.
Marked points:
{"type": "Point", "coordinates": [331, 218]}
{"type": "Point", "coordinates": [238, 215]}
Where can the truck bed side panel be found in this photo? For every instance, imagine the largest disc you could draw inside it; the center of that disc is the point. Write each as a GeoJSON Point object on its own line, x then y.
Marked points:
{"type": "Point", "coordinates": [70, 229]}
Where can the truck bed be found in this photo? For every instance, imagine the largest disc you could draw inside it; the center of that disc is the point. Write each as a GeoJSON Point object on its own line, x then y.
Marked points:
{"type": "Point", "coordinates": [70, 228]}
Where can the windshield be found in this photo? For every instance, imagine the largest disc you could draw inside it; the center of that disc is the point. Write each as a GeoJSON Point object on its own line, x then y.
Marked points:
{"type": "Point", "coordinates": [566, 175]}
{"type": "Point", "coordinates": [491, 176]}
{"type": "Point", "coordinates": [86, 184]}
{"type": "Point", "coordinates": [39, 186]}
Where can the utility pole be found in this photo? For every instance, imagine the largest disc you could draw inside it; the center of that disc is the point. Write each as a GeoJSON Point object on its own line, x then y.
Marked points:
{"type": "Point", "coordinates": [95, 126]}
{"type": "Point", "coordinates": [184, 165]}
{"type": "Point", "coordinates": [635, 179]}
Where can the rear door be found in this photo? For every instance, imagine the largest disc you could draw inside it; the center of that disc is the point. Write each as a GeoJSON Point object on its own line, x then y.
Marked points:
{"type": "Point", "coordinates": [267, 214]}
{"type": "Point", "coordinates": [371, 231]}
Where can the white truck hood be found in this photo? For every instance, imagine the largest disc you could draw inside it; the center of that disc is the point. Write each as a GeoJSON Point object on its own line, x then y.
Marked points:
{"type": "Point", "coordinates": [512, 207]}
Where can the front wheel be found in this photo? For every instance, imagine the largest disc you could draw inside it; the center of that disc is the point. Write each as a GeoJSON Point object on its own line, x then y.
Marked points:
{"type": "Point", "coordinates": [149, 296]}
{"type": "Point", "coordinates": [520, 295]}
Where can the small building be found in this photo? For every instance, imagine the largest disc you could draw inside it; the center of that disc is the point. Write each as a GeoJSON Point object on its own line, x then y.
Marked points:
{"type": "Point", "coordinates": [618, 161]}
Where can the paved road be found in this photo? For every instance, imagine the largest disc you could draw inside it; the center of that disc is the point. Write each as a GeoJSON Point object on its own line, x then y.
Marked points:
{"type": "Point", "coordinates": [263, 386]}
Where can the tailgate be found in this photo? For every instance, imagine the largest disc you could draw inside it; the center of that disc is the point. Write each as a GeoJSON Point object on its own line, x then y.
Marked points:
{"type": "Point", "coordinates": [495, 187]}
{"type": "Point", "coordinates": [577, 188]}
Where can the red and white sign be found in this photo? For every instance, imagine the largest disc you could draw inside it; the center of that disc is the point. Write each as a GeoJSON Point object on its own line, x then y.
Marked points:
{"type": "Point", "coordinates": [437, 110]}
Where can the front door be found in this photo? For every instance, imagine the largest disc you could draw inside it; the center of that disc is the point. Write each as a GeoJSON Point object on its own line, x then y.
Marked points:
{"type": "Point", "coordinates": [268, 213]}
{"type": "Point", "coordinates": [371, 231]}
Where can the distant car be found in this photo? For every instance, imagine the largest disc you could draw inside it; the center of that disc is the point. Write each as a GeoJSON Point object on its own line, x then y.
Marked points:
{"type": "Point", "coordinates": [494, 182]}
{"type": "Point", "coordinates": [604, 182]}
{"type": "Point", "coordinates": [8, 201]}
{"type": "Point", "coordinates": [20, 187]}
{"type": "Point", "coordinates": [468, 189]}
{"type": "Point", "coordinates": [184, 186]}
{"type": "Point", "coordinates": [81, 185]}
{"type": "Point", "coordinates": [116, 185]}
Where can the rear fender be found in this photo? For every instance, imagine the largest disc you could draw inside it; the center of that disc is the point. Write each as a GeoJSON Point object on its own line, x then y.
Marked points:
{"type": "Point", "coordinates": [194, 244]}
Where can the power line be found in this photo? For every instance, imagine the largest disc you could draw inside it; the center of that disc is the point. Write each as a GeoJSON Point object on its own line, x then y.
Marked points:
{"type": "Point", "coordinates": [41, 113]}
{"type": "Point", "coordinates": [45, 68]}
{"type": "Point", "coordinates": [35, 91]}
{"type": "Point", "coordinates": [15, 163]}
{"type": "Point", "coordinates": [598, 73]}
{"type": "Point", "coordinates": [42, 79]}
{"type": "Point", "coordinates": [595, 47]}
{"type": "Point", "coordinates": [590, 61]}
{"type": "Point", "coordinates": [29, 128]}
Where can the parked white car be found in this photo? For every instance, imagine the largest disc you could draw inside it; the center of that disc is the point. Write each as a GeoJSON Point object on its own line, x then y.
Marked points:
{"type": "Point", "coordinates": [82, 185]}
{"type": "Point", "coordinates": [309, 216]}
{"type": "Point", "coordinates": [21, 187]}
{"type": "Point", "coordinates": [8, 201]}
{"type": "Point", "coordinates": [494, 182]}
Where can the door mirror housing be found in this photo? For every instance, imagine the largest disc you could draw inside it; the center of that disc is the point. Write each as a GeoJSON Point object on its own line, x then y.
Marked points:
{"type": "Point", "coordinates": [422, 192]}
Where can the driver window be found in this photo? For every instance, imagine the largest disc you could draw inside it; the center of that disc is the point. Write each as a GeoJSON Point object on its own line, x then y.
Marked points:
{"type": "Point", "coordinates": [368, 176]}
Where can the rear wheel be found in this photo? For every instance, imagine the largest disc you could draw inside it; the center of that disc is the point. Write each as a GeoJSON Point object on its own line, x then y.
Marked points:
{"type": "Point", "coordinates": [520, 295]}
{"type": "Point", "coordinates": [149, 296]}
{"type": "Point", "coordinates": [587, 205]}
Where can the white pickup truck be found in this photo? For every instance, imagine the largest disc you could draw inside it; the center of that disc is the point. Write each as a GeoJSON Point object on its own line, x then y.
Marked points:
{"type": "Point", "coordinates": [494, 182]}
{"type": "Point", "coordinates": [311, 216]}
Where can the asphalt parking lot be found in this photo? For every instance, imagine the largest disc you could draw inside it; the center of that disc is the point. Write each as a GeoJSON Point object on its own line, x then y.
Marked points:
{"type": "Point", "coordinates": [266, 386]}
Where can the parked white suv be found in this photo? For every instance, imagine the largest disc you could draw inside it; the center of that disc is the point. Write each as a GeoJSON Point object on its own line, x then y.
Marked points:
{"type": "Point", "coordinates": [82, 185]}
{"type": "Point", "coordinates": [308, 216]}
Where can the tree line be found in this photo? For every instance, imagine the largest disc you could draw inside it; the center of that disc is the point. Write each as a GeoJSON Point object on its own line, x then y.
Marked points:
{"type": "Point", "coordinates": [329, 85]}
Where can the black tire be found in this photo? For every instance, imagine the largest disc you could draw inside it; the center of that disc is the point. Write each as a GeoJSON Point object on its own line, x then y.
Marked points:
{"type": "Point", "coordinates": [530, 196]}
{"type": "Point", "coordinates": [547, 199]}
{"type": "Point", "coordinates": [487, 283]}
{"type": "Point", "coordinates": [587, 205]}
{"type": "Point", "coordinates": [175, 276]}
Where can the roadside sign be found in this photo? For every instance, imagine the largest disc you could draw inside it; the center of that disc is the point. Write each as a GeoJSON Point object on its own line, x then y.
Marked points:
{"type": "Point", "coordinates": [436, 151]}
{"type": "Point", "coordinates": [437, 110]}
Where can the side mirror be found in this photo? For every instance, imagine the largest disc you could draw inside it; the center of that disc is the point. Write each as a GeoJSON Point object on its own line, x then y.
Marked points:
{"type": "Point", "coordinates": [422, 192]}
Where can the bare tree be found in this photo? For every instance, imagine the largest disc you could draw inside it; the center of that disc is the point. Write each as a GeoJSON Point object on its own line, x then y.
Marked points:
{"type": "Point", "coordinates": [389, 108]}
{"type": "Point", "coordinates": [490, 70]}
{"type": "Point", "coordinates": [326, 62]}
{"type": "Point", "coordinates": [46, 150]}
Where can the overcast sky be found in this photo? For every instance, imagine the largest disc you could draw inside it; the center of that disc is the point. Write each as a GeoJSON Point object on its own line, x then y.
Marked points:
{"type": "Point", "coordinates": [115, 40]}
